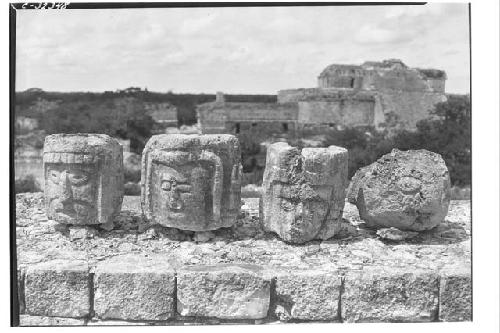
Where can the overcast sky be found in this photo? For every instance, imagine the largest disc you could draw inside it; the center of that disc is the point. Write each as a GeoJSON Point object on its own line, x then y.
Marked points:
{"type": "Point", "coordinates": [235, 50]}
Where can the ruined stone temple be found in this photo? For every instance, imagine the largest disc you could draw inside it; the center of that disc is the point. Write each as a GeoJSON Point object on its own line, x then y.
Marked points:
{"type": "Point", "coordinates": [386, 94]}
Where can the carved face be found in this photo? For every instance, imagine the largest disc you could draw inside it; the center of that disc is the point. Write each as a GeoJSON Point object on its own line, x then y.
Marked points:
{"type": "Point", "coordinates": [182, 194]}
{"type": "Point", "coordinates": [301, 207]}
{"type": "Point", "coordinates": [71, 192]}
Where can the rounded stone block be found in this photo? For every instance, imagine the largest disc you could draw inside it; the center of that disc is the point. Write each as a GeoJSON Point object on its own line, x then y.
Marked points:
{"type": "Point", "coordinates": [223, 291]}
{"type": "Point", "coordinates": [134, 287]}
{"type": "Point", "coordinates": [304, 191]}
{"type": "Point", "coordinates": [408, 190]}
{"type": "Point", "coordinates": [83, 178]}
{"type": "Point", "coordinates": [191, 182]}
{"type": "Point", "coordinates": [58, 288]}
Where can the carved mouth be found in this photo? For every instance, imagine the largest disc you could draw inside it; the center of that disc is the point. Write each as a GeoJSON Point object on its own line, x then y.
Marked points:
{"type": "Point", "coordinates": [65, 211]}
{"type": "Point", "coordinates": [71, 210]}
{"type": "Point", "coordinates": [176, 205]}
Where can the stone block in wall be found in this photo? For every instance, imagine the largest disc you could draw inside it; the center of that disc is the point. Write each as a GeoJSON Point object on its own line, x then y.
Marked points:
{"type": "Point", "coordinates": [27, 320]}
{"type": "Point", "coordinates": [191, 182]}
{"type": "Point", "coordinates": [83, 178]}
{"type": "Point", "coordinates": [308, 295]}
{"type": "Point", "coordinates": [304, 191]}
{"type": "Point", "coordinates": [390, 296]}
{"type": "Point", "coordinates": [455, 296]}
{"type": "Point", "coordinates": [223, 291]}
{"type": "Point", "coordinates": [58, 288]}
{"type": "Point", "coordinates": [134, 287]}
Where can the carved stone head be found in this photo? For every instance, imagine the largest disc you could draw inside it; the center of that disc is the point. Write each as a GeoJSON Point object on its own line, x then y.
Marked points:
{"type": "Point", "coordinates": [83, 178]}
{"type": "Point", "coordinates": [191, 182]}
{"type": "Point", "coordinates": [304, 191]}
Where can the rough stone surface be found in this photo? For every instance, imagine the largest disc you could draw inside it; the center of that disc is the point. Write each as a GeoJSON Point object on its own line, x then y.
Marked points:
{"type": "Point", "coordinates": [308, 295]}
{"type": "Point", "coordinates": [83, 178]}
{"type": "Point", "coordinates": [191, 182]}
{"type": "Point", "coordinates": [357, 181]}
{"type": "Point", "coordinates": [117, 323]}
{"type": "Point", "coordinates": [27, 320]}
{"type": "Point", "coordinates": [384, 296]}
{"type": "Point", "coordinates": [58, 288]}
{"type": "Point", "coordinates": [39, 240]}
{"type": "Point", "coordinates": [304, 191]}
{"type": "Point", "coordinates": [408, 190]}
{"type": "Point", "coordinates": [226, 292]}
{"type": "Point", "coordinates": [395, 234]}
{"type": "Point", "coordinates": [455, 301]}
{"type": "Point", "coordinates": [134, 287]}
{"type": "Point", "coordinates": [81, 232]}
{"type": "Point", "coordinates": [132, 165]}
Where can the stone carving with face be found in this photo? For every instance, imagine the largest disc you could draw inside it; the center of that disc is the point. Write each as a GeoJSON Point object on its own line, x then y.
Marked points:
{"type": "Point", "coordinates": [303, 191]}
{"type": "Point", "coordinates": [71, 192]}
{"type": "Point", "coordinates": [184, 187]}
{"type": "Point", "coordinates": [83, 178]}
{"type": "Point", "coordinates": [184, 178]}
{"type": "Point", "coordinates": [302, 208]}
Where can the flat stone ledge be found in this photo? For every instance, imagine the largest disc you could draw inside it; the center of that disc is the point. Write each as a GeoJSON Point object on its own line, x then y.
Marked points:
{"type": "Point", "coordinates": [134, 287]}
{"type": "Point", "coordinates": [455, 299]}
{"type": "Point", "coordinates": [27, 320]}
{"type": "Point", "coordinates": [307, 295]}
{"type": "Point", "coordinates": [58, 288]}
{"type": "Point", "coordinates": [223, 291]}
{"type": "Point", "coordinates": [398, 296]}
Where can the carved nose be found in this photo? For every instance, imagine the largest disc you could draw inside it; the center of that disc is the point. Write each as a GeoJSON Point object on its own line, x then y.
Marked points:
{"type": "Point", "coordinates": [299, 210]}
{"type": "Point", "coordinates": [175, 202]}
{"type": "Point", "coordinates": [66, 193]}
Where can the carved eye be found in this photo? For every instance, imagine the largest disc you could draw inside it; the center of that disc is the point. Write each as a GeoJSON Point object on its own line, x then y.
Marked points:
{"type": "Point", "coordinates": [53, 175]}
{"type": "Point", "coordinates": [168, 183]}
{"type": "Point", "coordinates": [78, 177]}
{"type": "Point", "coordinates": [287, 206]}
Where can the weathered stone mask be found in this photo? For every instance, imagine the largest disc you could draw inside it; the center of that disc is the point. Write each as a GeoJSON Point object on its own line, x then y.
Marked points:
{"type": "Point", "coordinates": [304, 191]}
{"type": "Point", "coordinates": [83, 178]}
{"type": "Point", "coordinates": [191, 182]}
{"type": "Point", "coordinates": [187, 184]}
{"type": "Point", "coordinates": [71, 192]}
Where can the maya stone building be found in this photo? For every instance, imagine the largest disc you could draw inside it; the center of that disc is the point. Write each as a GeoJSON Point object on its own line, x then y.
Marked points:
{"type": "Point", "coordinates": [386, 94]}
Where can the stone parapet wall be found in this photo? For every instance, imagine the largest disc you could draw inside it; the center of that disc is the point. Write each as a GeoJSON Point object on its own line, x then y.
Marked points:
{"type": "Point", "coordinates": [302, 94]}
{"type": "Point", "coordinates": [407, 107]}
{"type": "Point", "coordinates": [258, 112]}
{"type": "Point", "coordinates": [133, 275]}
{"type": "Point", "coordinates": [220, 293]}
{"type": "Point", "coordinates": [349, 112]}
